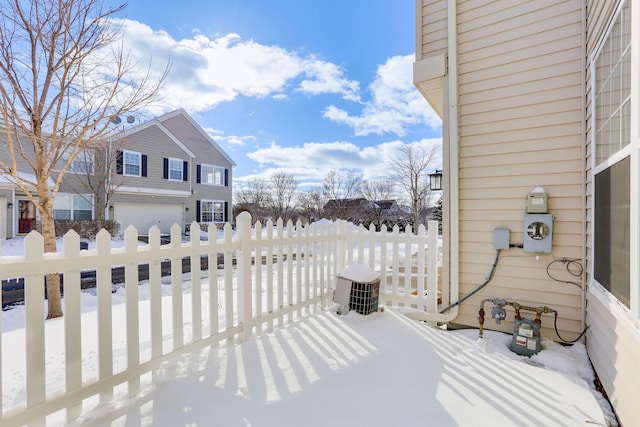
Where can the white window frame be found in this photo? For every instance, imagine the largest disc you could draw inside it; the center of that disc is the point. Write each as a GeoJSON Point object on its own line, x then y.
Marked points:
{"type": "Point", "coordinates": [630, 151]}
{"type": "Point", "coordinates": [176, 166]}
{"type": "Point", "coordinates": [83, 164]}
{"type": "Point", "coordinates": [212, 210]}
{"type": "Point", "coordinates": [67, 202]}
{"type": "Point", "coordinates": [125, 162]}
{"type": "Point", "coordinates": [216, 171]}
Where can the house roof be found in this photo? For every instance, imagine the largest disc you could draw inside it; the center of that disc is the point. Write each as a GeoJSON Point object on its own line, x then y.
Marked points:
{"type": "Point", "coordinates": [164, 119]}
{"type": "Point", "coordinates": [8, 181]}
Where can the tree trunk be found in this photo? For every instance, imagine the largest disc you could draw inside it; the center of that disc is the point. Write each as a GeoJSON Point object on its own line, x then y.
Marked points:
{"type": "Point", "coordinates": [54, 302]}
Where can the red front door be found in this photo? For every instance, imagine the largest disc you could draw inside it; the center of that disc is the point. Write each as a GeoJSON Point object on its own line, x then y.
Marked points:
{"type": "Point", "coordinates": [27, 216]}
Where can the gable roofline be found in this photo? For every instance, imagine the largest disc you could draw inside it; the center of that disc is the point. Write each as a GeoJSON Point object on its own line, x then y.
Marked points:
{"type": "Point", "coordinates": [181, 111]}
{"type": "Point", "coordinates": [156, 122]}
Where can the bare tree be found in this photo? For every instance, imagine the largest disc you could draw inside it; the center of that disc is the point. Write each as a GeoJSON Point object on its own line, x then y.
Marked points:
{"type": "Point", "coordinates": [253, 197]}
{"type": "Point", "coordinates": [93, 174]}
{"type": "Point", "coordinates": [378, 193]}
{"type": "Point", "coordinates": [284, 190]}
{"type": "Point", "coordinates": [409, 170]}
{"type": "Point", "coordinates": [311, 203]}
{"type": "Point", "coordinates": [63, 78]}
{"type": "Point", "coordinates": [340, 189]}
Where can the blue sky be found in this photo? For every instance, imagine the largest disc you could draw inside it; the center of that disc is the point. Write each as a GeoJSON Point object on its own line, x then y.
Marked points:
{"type": "Point", "coordinates": [292, 85]}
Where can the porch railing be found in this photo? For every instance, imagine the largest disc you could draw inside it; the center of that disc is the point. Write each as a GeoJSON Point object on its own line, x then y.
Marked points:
{"type": "Point", "coordinates": [271, 274]}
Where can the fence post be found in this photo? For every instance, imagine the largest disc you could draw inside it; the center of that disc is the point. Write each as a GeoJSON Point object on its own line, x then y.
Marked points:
{"type": "Point", "coordinates": [432, 266]}
{"type": "Point", "coordinates": [341, 245]}
{"type": "Point", "coordinates": [243, 259]}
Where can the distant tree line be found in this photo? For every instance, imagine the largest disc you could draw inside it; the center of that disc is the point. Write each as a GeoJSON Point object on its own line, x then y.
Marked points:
{"type": "Point", "coordinates": [402, 197]}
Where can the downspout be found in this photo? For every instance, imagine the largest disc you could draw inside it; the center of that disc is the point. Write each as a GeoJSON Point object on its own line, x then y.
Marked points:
{"type": "Point", "coordinates": [450, 175]}
{"type": "Point", "coordinates": [584, 159]}
{"type": "Point", "coordinates": [452, 103]}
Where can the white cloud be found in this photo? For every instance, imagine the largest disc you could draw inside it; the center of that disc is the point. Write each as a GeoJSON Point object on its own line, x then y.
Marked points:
{"type": "Point", "coordinates": [234, 140]}
{"type": "Point", "coordinates": [311, 161]}
{"type": "Point", "coordinates": [395, 106]}
{"type": "Point", "coordinates": [208, 71]}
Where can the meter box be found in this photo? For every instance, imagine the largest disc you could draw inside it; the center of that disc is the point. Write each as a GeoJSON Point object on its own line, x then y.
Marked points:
{"type": "Point", "coordinates": [538, 202]}
{"type": "Point", "coordinates": [538, 233]}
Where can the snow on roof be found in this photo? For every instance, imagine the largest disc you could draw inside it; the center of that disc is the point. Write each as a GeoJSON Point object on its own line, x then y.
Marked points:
{"type": "Point", "coordinates": [8, 179]}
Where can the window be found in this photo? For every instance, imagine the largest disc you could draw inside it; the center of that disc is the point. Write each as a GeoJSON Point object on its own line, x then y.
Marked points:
{"type": "Point", "coordinates": [175, 169]}
{"type": "Point", "coordinates": [212, 175]}
{"type": "Point", "coordinates": [82, 164]}
{"type": "Point", "coordinates": [611, 70]}
{"type": "Point", "coordinates": [132, 163]}
{"type": "Point", "coordinates": [73, 206]}
{"type": "Point", "coordinates": [211, 210]}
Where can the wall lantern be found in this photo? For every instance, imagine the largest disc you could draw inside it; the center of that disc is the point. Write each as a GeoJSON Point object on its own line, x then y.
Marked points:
{"type": "Point", "coordinates": [111, 207]}
{"type": "Point", "coordinates": [435, 180]}
{"type": "Point", "coordinates": [9, 205]}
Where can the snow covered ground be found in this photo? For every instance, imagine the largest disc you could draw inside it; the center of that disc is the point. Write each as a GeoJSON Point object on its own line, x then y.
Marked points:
{"type": "Point", "coordinates": [330, 370]}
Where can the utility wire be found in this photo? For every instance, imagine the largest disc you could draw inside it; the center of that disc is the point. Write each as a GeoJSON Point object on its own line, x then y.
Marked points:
{"type": "Point", "coordinates": [486, 282]}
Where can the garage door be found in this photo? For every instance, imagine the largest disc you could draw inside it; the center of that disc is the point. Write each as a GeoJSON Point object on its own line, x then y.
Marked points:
{"type": "Point", "coordinates": [142, 217]}
{"type": "Point", "coordinates": [3, 218]}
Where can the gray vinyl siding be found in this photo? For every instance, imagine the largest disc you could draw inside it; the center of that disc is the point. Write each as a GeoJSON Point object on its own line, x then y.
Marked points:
{"type": "Point", "coordinates": [156, 145]}
{"type": "Point", "coordinates": [613, 341]}
{"type": "Point", "coordinates": [520, 83]}
{"type": "Point", "coordinates": [205, 153]}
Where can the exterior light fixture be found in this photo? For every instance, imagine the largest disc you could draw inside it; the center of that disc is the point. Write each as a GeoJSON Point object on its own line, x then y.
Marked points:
{"type": "Point", "coordinates": [9, 205]}
{"type": "Point", "coordinates": [111, 207]}
{"type": "Point", "coordinates": [435, 180]}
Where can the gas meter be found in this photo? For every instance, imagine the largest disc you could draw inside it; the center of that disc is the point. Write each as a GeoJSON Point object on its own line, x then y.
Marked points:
{"type": "Point", "coordinates": [526, 337]}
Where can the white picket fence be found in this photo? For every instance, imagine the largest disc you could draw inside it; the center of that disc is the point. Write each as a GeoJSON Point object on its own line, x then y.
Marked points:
{"type": "Point", "coordinates": [271, 275]}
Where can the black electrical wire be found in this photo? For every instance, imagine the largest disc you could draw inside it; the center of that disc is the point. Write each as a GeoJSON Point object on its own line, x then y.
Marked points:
{"type": "Point", "coordinates": [486, 282]}
{"type": "Point", "coordinates": [555, 326]}
{"type": "Point", "coordinates": [577, 272]}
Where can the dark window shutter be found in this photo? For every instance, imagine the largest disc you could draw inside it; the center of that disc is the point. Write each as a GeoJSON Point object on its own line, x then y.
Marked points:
{"type": "Point", "coordinates": [119, 162]}
{"type": "Point", "coordinates": [226, 177]}
{"type": "Point", "coordinates": [185, 171]}
{"type": "Point", "coordinates": [225, 213]}
{"type": "Point", "coordinates": [198, 174]}
{"type": "Point", "coordinates": [198, 211]}
{"type": "Point", "coordinates": [165, 168]}
{"type": "Point", "coordinates": [144, 165]}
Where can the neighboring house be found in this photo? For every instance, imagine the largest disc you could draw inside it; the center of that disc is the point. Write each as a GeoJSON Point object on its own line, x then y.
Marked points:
{"type": "Point", "coordinates": [346, 208]}
{"type": "Point", "coordinates": [166, 170]}
{"type": "Point", "coordinates": [543, 94]}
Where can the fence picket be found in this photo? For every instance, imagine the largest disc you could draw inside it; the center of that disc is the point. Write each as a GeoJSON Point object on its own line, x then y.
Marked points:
{"type": "Point", "coordinates": [105, 317]}
{"type": "Point", "coordinates": [212, 262]}
{"type": "Point", "coordinates": [131, 307]}
{"type": "Point", "coordinates": [72, 321]}
{"type": "Point", "coordinates": [155, 302]}
{"type": "Point", "coordinates": [229, 308]}
{"type": "Point", "coordinates": [270, 295]}
{"type": "Point", "coordinates": [34, 323]}
{"type": "Point", "coordinates": [280, 280]}
{"type": "Point", "coordinates": [196, 285]}
{"type": "Point", "coordinates": [301, 264]}
{"type": "Point", "coordinates": [258, 277]}
{"type": "Point", "coordinates": [176, 289]}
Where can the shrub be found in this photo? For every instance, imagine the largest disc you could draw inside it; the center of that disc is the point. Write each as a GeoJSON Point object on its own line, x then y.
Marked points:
{"type": "Point", "coordinates": [87, 229]}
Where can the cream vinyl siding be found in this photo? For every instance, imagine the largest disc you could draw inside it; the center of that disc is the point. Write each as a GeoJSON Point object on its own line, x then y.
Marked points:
{"type": "Point", "coordinates": [431, 28]}
{"type": "Point", "coordinates": [613, 341]}
{"type": "Point", "coordinates": [520, 119]}
{"type": "Point", "coordinates": [429, 69]}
